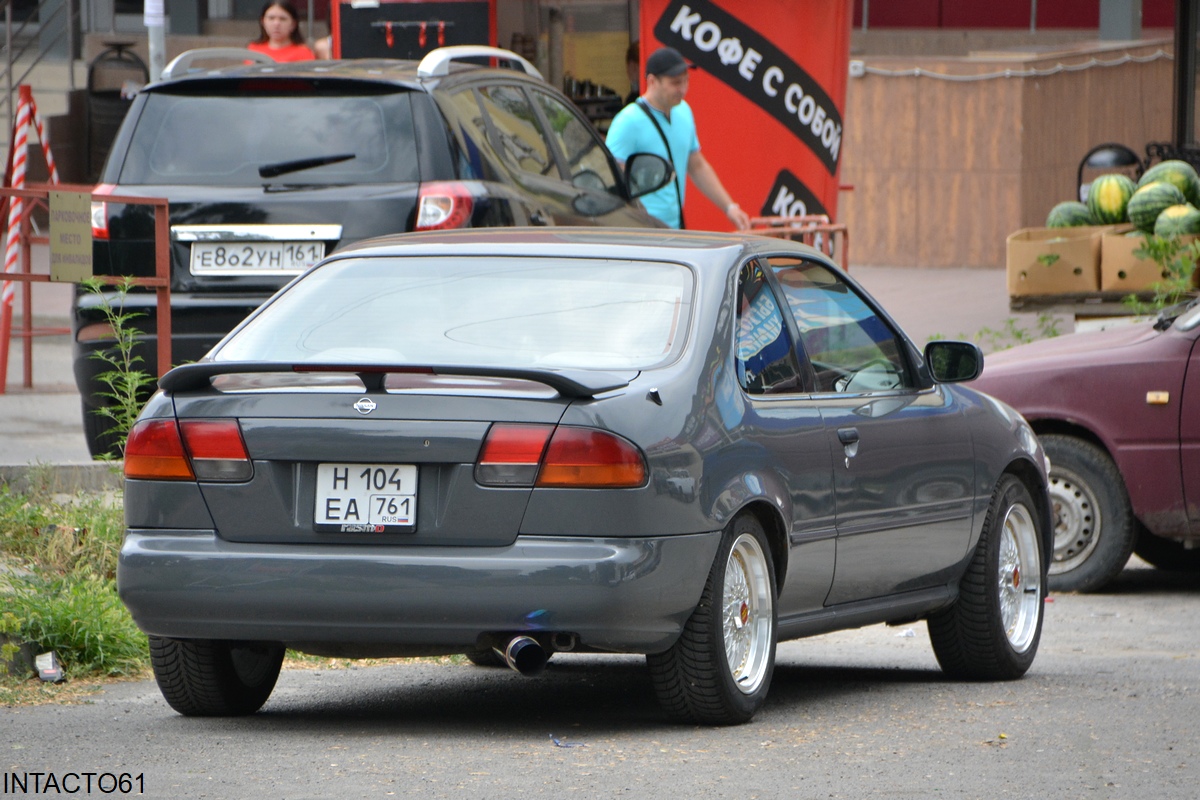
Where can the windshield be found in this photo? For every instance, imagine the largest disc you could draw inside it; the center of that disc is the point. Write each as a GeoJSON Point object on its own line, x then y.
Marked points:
{"type": "Point", "coordinates": [552, 313]}
{"type": "Point", "coordinates": [216, 140]}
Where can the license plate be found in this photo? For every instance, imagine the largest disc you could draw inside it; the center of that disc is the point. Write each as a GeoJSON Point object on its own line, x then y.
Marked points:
{"type": "Point", "coordinates": [366, 498]}
{"type": "Point", "coordinates": [254, 258]}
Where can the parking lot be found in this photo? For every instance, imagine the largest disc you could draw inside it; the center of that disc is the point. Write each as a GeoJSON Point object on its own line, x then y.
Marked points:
{"type": "Point", "coordinates": [1106, 712]}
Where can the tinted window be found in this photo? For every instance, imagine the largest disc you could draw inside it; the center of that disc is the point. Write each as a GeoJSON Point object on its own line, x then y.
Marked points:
{"type": "Point", "coordinates": [517, 137]}
{"type": "Point", "coordinates": [529, 312]}
{"type": "Point", "coordinates": [766, 362]}
{"type": "Point", "coordinates": [223, 141]}
{"type": "Point", "coordinates": [476, 154]}
{"type": "Point", "coordinates": [586, 159]}
{"type": "Point", "coordinates": [851, 348]}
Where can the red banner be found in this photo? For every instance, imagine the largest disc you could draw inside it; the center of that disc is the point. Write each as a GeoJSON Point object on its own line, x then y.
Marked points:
{"type": "Point", "coordinates": [768, 97]}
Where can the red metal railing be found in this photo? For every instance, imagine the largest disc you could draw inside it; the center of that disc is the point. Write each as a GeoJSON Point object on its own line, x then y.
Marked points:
{"type": "Point", "coordinates": [36, 197]}
{"type": "Point", "coordinates": [816, 230]}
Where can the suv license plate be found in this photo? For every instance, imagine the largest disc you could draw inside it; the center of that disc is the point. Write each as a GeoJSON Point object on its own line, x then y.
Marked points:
{"type": "Point", "coordinates": [366, 498]}
{"type": "Point", "coordinates": [254, 258]}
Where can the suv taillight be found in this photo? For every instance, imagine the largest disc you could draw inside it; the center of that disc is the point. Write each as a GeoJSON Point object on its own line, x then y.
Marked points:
{"type": "Point", "coordinates": [204, 449]}
{"type": "Point", "coordinates": [442, 205]}
{"type": "Point", "coordinates": [100, 211]}
{"type": "Point", "coordinates": [559, 457]}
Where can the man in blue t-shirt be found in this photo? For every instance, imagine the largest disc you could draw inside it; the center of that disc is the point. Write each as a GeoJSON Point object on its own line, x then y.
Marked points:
{"type": "Point", "coordinates": [633, 130]}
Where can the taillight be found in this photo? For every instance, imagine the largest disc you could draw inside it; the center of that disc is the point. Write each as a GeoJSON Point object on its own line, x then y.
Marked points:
{"type": "Point", "coordinates": [442, 205]}
{"type": "Point", "coordinates": [584, 458]}
{"type": "Point", "coordinates": [100, 211]}
{"type": "Point", "coordinates": [558, 457]}
{"type": "Point", "coordinates": [217, 449]}
{"type": "Point", "coordinates": [207, 450]}
{"type": "Point", "coordinates": [155, 452]}
{"type": "Point", "coordinates": [512, 454]}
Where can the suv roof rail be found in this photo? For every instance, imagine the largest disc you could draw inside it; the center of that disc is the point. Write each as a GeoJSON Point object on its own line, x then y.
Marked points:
{"type": "Point", "coordinates": [437, 62]}
{"type": "Point", "coordinates": [182, 63]}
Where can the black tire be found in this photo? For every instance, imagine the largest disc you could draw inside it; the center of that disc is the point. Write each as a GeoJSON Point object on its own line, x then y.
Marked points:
{"type": "Point", "coordinates": [201, 678]}
{"type": "Point", "coordinates": [992, 631]}
{"type": "Point", "coordinates": [1094, 529]}
{"type": "Point", "coordinates": [1166, 554]}
{"type": "Point", "coordinates": [100, 442]}
{"type": "Point", "coordinates": [697, 679]}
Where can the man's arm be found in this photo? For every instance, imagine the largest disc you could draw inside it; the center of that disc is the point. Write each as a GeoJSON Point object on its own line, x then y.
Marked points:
{"type": "Point", "coordinates": [706, 180]}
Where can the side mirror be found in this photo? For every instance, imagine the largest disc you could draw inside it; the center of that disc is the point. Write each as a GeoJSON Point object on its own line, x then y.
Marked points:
{"type": "Point", "coordinates": [954, 362]}
{"type": "Point", "coordinates": [646, 173]}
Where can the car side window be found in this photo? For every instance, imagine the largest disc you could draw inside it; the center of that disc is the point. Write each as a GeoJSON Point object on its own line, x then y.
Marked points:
{"type": "Point", "coordinates": [586, 157]}
{"type": "Point", "coordinates": [517, 136]}
{"type": "Point", "coordinates": [850, 347]}
{"type": "Point", "coordinates": [477, 159]}
{"type": "Point", "coordinates": [764, 356]}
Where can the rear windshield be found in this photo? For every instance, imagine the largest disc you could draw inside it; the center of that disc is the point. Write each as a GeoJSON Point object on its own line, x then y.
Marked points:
{"type": "Point", "coordinates": [552, 313]}
{"type": "Point", "coordinates": [218, 140]}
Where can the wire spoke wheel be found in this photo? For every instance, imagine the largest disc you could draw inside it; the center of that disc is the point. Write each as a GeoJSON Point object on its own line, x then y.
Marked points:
{"type": "Point", "coordinates": [719, 670]}
{"type": "Point", "coordinates": [747, 621]}
{"type": "Point", "coordinates": [993, 629]}
{"type": "Point", "coordinates": [1019, 578]}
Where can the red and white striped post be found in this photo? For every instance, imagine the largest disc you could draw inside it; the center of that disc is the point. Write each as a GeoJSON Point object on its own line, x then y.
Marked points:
{"type": "Point", "coordinates": [27, 114]}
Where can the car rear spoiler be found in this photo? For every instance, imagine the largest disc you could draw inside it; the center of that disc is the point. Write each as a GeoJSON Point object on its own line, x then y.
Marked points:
{"type": "Point", "coordinates": [575, 383]}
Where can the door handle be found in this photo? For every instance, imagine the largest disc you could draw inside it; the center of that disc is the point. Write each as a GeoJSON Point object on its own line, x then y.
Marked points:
{"type": "Point", "coordinates": [849, 439]}
{"type": "Point", "coordinates": [539, 217]}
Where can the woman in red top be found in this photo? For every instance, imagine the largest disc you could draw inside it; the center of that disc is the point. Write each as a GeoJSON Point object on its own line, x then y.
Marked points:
{"type": "Point", "coordinates": [279, 33]}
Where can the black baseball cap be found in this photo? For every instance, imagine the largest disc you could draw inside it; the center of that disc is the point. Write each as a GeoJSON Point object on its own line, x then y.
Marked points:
{"type": "Point", "coordinates": [666, 61]}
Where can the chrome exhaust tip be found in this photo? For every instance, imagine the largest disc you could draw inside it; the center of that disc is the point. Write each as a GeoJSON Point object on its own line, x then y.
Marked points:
{"type": "Point", "coordinates": [523, 654]}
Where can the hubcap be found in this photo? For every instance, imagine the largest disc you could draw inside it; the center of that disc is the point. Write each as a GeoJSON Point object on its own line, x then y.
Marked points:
{"type": "Point", "coordinates": [1019, 578]}
{"type": "Point", "coordinates": [1076, 521]}
{"type": "Point", "coordinates": [747, 620]}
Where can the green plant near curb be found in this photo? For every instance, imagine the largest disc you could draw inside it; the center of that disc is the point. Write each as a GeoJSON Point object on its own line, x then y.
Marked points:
{"type": "Point", "coordinates": [10, 629]}
{"type": "Point", "coordinates": [126, 383]}
{"type": "Point", "coordinates": [59, 583]}
{"type": "Point", "coordinates": [1013, 333]}
{"type": "Point", "coordinates": [1177, 261]}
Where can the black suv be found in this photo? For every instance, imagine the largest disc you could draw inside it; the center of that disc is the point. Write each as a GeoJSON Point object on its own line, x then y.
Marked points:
{"type": "Point", "coordinates": [269, 167]}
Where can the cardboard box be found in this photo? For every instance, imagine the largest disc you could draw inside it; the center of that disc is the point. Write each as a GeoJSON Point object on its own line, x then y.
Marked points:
{"type": "Point", "coordinates": [1120, 269]}
{"type": "Point", "coordinates": [1054, 260]}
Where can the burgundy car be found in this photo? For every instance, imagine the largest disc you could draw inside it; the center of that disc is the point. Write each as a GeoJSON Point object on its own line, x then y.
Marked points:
{"type": "Point", "coordinates": [1118, 412]}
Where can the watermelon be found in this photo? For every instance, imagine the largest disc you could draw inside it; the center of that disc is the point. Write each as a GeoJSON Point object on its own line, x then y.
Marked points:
{"type": "Point", "coordinates": [1150, 201]}
{"type": "Point", "coordinates": [1108, 196]}
{"type": "Point", "coordinates": [1180, 173]}
{"type": "Point", "coordinates": [1069, 215]}
{"type": "Point", "coordinates": [1178, 220]}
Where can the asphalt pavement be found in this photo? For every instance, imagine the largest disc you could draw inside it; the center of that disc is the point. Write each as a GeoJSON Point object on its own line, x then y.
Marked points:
{"type": "Point", "coordinates": [41, 429]}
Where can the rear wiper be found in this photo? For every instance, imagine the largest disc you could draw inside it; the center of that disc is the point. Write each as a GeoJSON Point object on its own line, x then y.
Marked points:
{"type": "Point", "coordinates": [284, 167]}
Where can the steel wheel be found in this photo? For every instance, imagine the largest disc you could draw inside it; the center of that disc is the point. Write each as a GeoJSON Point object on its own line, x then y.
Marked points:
{"type": "Point", "coordinates": [1077, 520]}
{"type": "Point", "coordinates": [1093, 522]}
{"type": "Point", "coordinates": [1020, 578]}
{"type": "Point", "coordinates": [747, 614]}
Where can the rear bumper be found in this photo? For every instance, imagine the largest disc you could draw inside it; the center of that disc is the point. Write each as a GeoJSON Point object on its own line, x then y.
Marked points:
{"type": "Point", "coordinates": [620, 595]}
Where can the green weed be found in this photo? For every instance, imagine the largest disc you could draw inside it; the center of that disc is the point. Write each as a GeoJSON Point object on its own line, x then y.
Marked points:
{"type": "Point", "coordinates": [1177, 262]}
{"type": "Point", "coordinates": [59, 589]}
{"type": "Point", "coordinates": [127, 384]}
{"type": "Point", "coordinates": [1012, 333]}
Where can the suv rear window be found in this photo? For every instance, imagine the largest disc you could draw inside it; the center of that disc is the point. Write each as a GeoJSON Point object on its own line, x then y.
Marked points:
{"type": "Point", "coordinates": [224, 140]}
{"type": "Point", "coordinates": [550, 313]}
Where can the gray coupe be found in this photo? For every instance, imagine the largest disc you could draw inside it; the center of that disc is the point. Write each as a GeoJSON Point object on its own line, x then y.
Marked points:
{"type": "Point", "coordinates": [515, 442]}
